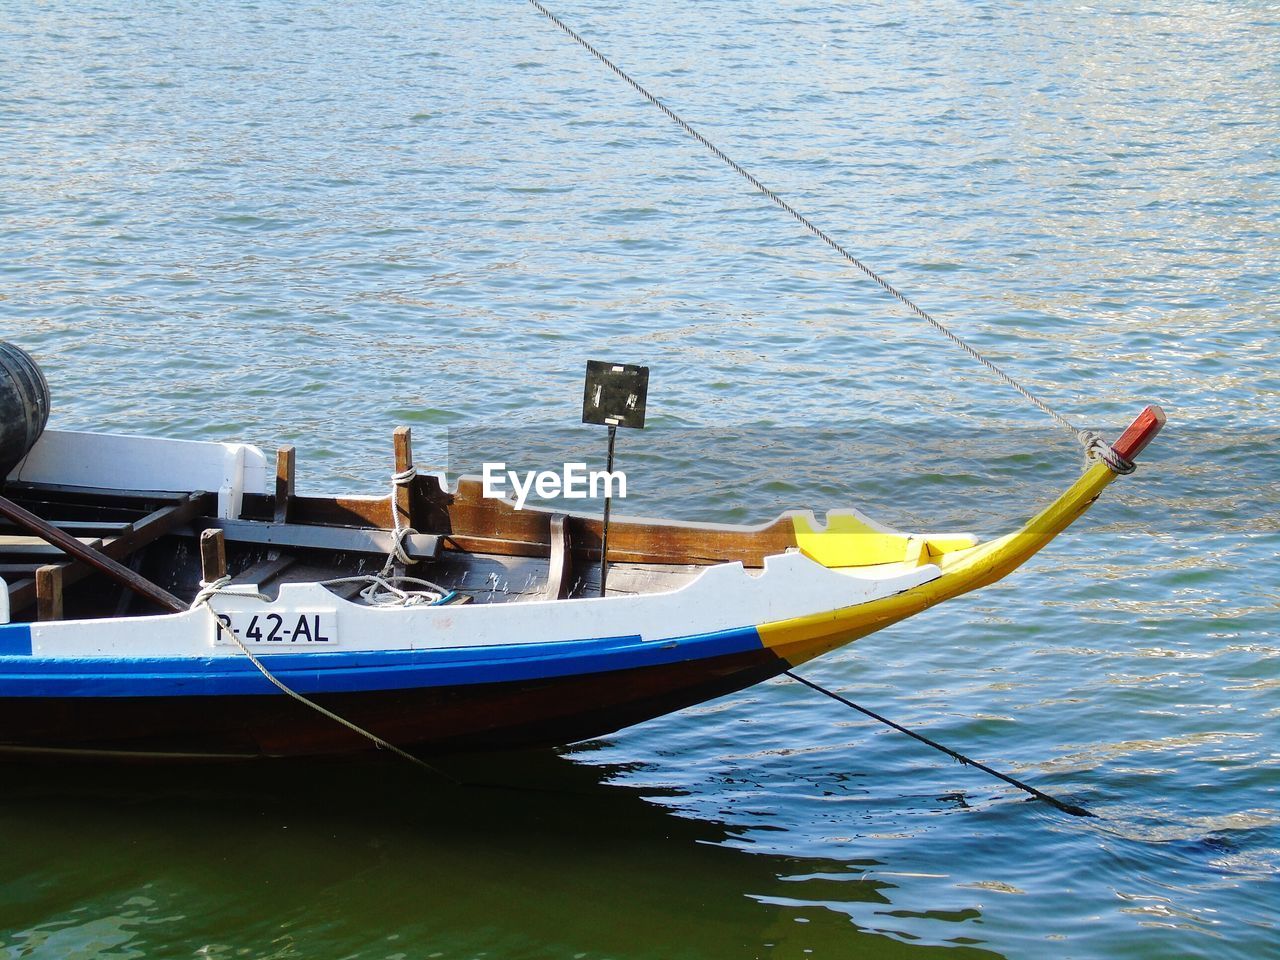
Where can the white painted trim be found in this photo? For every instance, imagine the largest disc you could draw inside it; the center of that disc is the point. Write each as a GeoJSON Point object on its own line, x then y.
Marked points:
{"type": "Point", "coordinates": [231, 492]}
{"type": "Point", "coordinates": [106, 460]}
{"type": "Point", "coordinates": [721, 597]}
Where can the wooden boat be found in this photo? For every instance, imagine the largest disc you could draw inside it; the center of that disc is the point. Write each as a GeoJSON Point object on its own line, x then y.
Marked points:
{"type": "Point", "coordinates": [693, 611]}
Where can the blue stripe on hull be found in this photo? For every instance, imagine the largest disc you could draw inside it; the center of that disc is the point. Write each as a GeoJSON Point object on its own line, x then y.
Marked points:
{"type": "Point", "coordinates": [15, 640]}
{"type": "Point", "coordinates": [348, 671]}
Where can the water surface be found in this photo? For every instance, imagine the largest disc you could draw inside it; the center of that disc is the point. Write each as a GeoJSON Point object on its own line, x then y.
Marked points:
{"type": "Point", "coordinates": [309, 223]}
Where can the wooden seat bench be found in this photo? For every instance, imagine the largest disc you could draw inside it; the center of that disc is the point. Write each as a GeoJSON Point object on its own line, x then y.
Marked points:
{"type": "Point", "coordinates": [43, 583]}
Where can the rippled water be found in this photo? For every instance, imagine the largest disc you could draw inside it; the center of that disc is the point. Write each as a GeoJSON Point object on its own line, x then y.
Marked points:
{"type": "Point", "coordinates": [311, 222]}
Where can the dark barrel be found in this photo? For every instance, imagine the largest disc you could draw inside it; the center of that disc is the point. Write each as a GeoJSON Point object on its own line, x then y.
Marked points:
{"type": "Point", "coordinates": [24, 405]}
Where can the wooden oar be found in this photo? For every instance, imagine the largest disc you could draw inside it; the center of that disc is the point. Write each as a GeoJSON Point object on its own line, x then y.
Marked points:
{"type": "Point", "coordinates": [94, 558]}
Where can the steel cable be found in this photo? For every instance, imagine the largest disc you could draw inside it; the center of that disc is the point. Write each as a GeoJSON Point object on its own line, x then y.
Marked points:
{"type": "Point", "coordinates": [1093, 445]}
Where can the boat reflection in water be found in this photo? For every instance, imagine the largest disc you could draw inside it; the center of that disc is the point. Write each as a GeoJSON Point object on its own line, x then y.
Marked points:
{"type": "Point", "coordinates": [312, 858]}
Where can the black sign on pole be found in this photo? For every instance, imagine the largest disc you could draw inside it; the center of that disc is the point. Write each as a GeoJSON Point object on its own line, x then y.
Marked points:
{"type": "Point", "coordinates": [614, 396]}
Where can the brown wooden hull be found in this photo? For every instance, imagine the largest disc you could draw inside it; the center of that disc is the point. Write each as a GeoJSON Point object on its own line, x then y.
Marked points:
{"type": "Point", "coordinates": [427, 721]}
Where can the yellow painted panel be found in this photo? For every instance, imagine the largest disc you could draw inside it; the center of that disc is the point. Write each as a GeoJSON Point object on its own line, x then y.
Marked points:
{"type": "Point", "coordinates": [963, 570]}
{"type": "Point", "coordinates": [847, 541]}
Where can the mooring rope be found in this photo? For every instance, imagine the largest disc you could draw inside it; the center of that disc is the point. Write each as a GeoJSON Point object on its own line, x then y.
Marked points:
{"type": "Point", "coordinates": [210, 590]}
{"type": "Point", "coordinates": [1071, 808]}
{"type": "Point", "coordinates": [381, 591]}
{"type": "Point", "coordinates": [399, 531]}
{"type": "Point", "coordinates": [1094, 446]}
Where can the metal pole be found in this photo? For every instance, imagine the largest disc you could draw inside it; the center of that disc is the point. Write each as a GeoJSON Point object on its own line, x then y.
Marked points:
{"type": "Point", "coordinates": [604, 529]}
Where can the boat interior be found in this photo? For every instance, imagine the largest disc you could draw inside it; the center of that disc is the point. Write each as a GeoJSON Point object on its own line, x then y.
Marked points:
{"type": "Point", "coordinates": [250, 525]}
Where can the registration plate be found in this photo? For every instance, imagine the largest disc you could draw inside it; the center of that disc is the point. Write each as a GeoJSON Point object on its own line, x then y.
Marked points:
{"type": "Point", "coordinates": [308, 629]}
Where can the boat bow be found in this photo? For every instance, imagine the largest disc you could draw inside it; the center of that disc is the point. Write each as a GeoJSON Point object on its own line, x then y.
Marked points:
{"type": "Point", "coordinates": [963, 567]}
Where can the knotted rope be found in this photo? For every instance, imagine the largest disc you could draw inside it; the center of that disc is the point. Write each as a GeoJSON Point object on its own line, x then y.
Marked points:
{"type": "Point", "coordinates": [381, 589]}
{"type": "Point", "coordinates": [381, 592]}
{"type": "Point", "coordinates": [1095, 448]}
{"type": "Point", "coordinates": [398, 530]}
{"type": "Point", "coordinates": [210, 590]}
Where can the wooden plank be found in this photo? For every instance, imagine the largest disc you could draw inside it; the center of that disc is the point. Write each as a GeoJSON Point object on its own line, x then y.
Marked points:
{"type": "Point", "coordinates": [481, 524]}
{"type": "Point", "coordinates": [346, 590]}
{"type": "Point", "coordinates": [10, 570]}
{"type": "Point", "coordinates": [403, 505]}
{"type": "Point", "coordinates": [49, 584]}
{"type": "Point", "coordinates": [560, 573]}
{"type": "Point", "coordinates": [402, 496]}
{"type": "Point", "coordinates": [213, 556]}
{"type": "Point", "coordinates": [420, 546]}
{"type": "Point", "coordinates": [633, 579]}
{"type": "Point", "coordinates": [91, 557]}
{"type": "Point", "coordinates": [160, 522]}
{"type": "Point", "coordinates": [145, 531]}
{"type": "Point", "coordinates": [37, 547]}
{"type": "Point", "coordinates": [91, 495]}
{"type": "Point", "coordinates": [82, 527]}
{"type": "Point", "coordinates": [22, 593]}
{"type": "Point", "coordinates": [470, 522]}
{"type": "Point", "coordinates": [286, 461]}
{"type": "Point", "coordinates": [84, 512]}
{"type": "Point", "coordinates": [266, 571]}
{"type": "Point", "coordinates": [478, 525]}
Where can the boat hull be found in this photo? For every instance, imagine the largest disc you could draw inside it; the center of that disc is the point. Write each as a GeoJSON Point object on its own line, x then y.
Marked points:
{"type": "Point", "coordinates": [529, 674]}
{"type": "Point", "coordinates": [426, 720]}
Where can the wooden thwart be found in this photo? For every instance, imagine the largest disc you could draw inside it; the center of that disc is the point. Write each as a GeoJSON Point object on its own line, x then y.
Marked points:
{"type": "Point", "coordinates": [420, 546]}
{"type": "Point", "coordinates": [167, 519]}
{"type": "Point", "coordinates": [94, 559]}
{"type": "Point", "coordinates": [79, 528]}
{"type": "Point", "coordinates": [106, 496]}
{"type": "Point", "coordinates": [261, 574]}
{"type": "Point", "coordinates": [11, 546]}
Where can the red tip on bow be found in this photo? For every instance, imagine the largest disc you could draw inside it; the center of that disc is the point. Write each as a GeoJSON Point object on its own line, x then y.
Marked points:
{"type": "Point", "coordinates": [1140, 433]}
